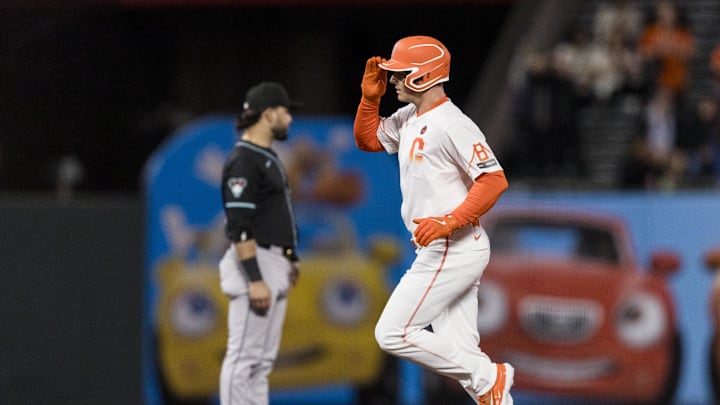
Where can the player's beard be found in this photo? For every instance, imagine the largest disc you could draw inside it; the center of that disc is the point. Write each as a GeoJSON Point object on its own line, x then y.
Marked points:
{"type": "Point", "coordinates": [280, 133]}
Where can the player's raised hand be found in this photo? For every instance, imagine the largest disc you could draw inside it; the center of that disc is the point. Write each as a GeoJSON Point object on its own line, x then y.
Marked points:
{"type": "Point", "coordinates": [431, 228]}
{"type": "Point", "coordinates": [374, 81]}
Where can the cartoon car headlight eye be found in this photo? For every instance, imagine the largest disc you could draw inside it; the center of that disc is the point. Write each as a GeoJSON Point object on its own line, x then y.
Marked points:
{"type": "Point", "coordinates": [492, 307]}
{"type": "Point", "coordinates": [345, 302]}
{"type": "Point", "coordinates": [193, 314]}
{"type": "Point", "coordinates": [641, 320]}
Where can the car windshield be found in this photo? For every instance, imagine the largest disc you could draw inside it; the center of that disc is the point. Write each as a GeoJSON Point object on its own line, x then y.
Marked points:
{"type": "Point", "coordinates": [553, 240]}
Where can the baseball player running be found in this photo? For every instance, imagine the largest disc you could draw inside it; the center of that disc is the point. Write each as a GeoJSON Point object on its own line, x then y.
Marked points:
{"type": "Point", "coordinates": [260, 266]}
{"type": "Point", "coordinates": [449, 177]}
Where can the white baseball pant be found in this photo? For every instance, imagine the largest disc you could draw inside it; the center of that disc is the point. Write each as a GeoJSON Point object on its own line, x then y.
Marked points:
{"type": "Point", "coordinates": [253, 340]}
{"type": "Point", "coordinates": [440, 289]}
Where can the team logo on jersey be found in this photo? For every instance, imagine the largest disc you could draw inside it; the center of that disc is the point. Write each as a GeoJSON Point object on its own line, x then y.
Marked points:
{"type": "Point", "coordinates": [419, 144]}
{"type": "Point", "coordinates": [237, 185]}
{"type": "Point", "coordinates": [482, 154]}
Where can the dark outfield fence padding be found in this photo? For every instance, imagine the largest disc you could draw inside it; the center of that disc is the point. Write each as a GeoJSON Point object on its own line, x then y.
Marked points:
{"type": "Point", "coordinates": [70, 300]}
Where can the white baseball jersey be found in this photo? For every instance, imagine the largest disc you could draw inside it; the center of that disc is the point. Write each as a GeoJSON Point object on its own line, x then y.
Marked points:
{"type": "Point", "coordinates": [440, 153]}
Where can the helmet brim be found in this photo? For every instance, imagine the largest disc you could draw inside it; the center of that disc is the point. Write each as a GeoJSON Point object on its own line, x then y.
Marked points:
{"type": "Point", "coordinates": [395, 66]}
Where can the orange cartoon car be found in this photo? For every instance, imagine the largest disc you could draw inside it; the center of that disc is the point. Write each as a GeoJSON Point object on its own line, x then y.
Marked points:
{"type": "Point", "coordinates": [565, 301]}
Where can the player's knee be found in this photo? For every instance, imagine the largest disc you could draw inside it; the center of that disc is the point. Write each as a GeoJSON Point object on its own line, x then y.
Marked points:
{"type": "Point", "coordinates": [380, 337]}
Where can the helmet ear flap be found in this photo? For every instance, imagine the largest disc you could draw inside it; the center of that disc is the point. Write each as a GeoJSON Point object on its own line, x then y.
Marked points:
{"type": "Point", "coordinates": [413, 81]}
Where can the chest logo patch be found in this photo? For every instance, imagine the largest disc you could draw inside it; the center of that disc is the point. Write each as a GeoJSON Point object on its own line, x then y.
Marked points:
{"type": "Point", "coordinates": [423, 130]}
{"type": "Point", "coordinates": [237, 185]}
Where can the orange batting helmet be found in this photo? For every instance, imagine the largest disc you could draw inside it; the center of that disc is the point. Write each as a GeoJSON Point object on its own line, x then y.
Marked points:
{"type": "Point", "coordinates": [426, 58]}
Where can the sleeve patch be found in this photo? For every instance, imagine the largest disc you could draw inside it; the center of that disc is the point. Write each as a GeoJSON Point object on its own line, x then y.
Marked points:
{"type": "Point", "coordinates": [237, 186]}
{"type": "Point", "coordinates": [486, 164]}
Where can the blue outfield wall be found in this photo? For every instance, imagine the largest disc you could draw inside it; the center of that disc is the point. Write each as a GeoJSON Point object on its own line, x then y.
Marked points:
{"type": "Point", "coordinates": [687, 223]}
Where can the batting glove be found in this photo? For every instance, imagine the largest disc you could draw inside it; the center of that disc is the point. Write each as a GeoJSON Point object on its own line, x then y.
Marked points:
{"type": "Point", "coordinates": [431, 228]}
{"type": "Point", "coordinates": [374, 81]}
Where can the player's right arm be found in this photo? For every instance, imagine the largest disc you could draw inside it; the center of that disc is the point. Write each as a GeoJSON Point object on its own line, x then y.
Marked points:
{"type": "Point", "coordinates": [367, 118]}
{"type": "Point", "coordinates": [239, 193]}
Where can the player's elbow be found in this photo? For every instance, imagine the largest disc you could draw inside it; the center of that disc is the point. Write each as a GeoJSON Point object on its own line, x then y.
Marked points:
{"type": "Point", "coordinates": [502, 182]}
{"type": "Point", "coordinates": [364, 146]}
{"type": "Point", "coordinates": [496, 181]}
{"type": "Point", "coordinates": [359, 142]}
{"type": "Point", "coordinates": [367, 141]}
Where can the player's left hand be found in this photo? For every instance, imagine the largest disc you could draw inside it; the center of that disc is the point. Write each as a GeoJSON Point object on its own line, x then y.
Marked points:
{"type": "Point", "coordinates": [374, 82]}
{"type": "Point", "coordinates": [259, 295]}
{"type": "Point", "coordinates": [431, 228]}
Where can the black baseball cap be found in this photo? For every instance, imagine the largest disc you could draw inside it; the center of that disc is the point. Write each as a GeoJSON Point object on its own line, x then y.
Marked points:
{"type": "Point", "coordinates": [268, 95]}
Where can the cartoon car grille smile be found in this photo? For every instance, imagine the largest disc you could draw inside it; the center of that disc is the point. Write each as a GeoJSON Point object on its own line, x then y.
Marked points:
{"type": "Point", "coordinates": [559, 320]}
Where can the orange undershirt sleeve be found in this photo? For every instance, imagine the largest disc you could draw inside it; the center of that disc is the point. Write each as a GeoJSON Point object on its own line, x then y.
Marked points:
{"type": "Point", "coordinates": [483, 194]}
{"type": "Point", "coordinates": [367, 121]}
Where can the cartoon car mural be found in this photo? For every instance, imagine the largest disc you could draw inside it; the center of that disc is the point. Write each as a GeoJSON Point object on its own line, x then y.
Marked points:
{"type": "Point", "coordinates": [565, 301]}
{"type": "Point", "coordinates": [328, 335]}
{"type": "Point", "coordinates": [712, 261]}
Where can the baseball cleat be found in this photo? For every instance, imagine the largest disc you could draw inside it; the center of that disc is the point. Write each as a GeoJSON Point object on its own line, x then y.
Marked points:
{"type": "Point", "coordinates": [499, 393]}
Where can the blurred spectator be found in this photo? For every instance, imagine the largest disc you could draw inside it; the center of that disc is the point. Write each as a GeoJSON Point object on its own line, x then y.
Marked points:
{"type": "Point", "coordinates": [599, 70]}
{"type": "Point", "coordinates": [617, 69]}
{"type": "Point", "coordinates": [617, 18]}
{"type": "Point", "coordinates": [637, 166]}
{"type": "Point", "coordinates": [667, 46]}
{"type": "Point", "coordinates": [531, 85]}
{"type": "Point", "coordinates": [573, 59]}
{"type": "Point", "coordinates": [701, 140]}
{"type": "Point", "coordinates": [715, 70]}
{"type": "Point", "coordinates": [545, 113]}
{"type": "Point", "coordinates": [655, 160]}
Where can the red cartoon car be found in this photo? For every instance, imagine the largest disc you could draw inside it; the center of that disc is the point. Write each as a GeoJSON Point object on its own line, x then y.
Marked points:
{"type": "Point", "coordinates": [565, 301]}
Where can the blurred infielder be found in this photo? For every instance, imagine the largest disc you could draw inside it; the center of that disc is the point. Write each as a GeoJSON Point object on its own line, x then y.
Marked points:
{"type": "Point", "coordinates": [260, 266]}
{"type": "Point", "coordinates": [449, 177]}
